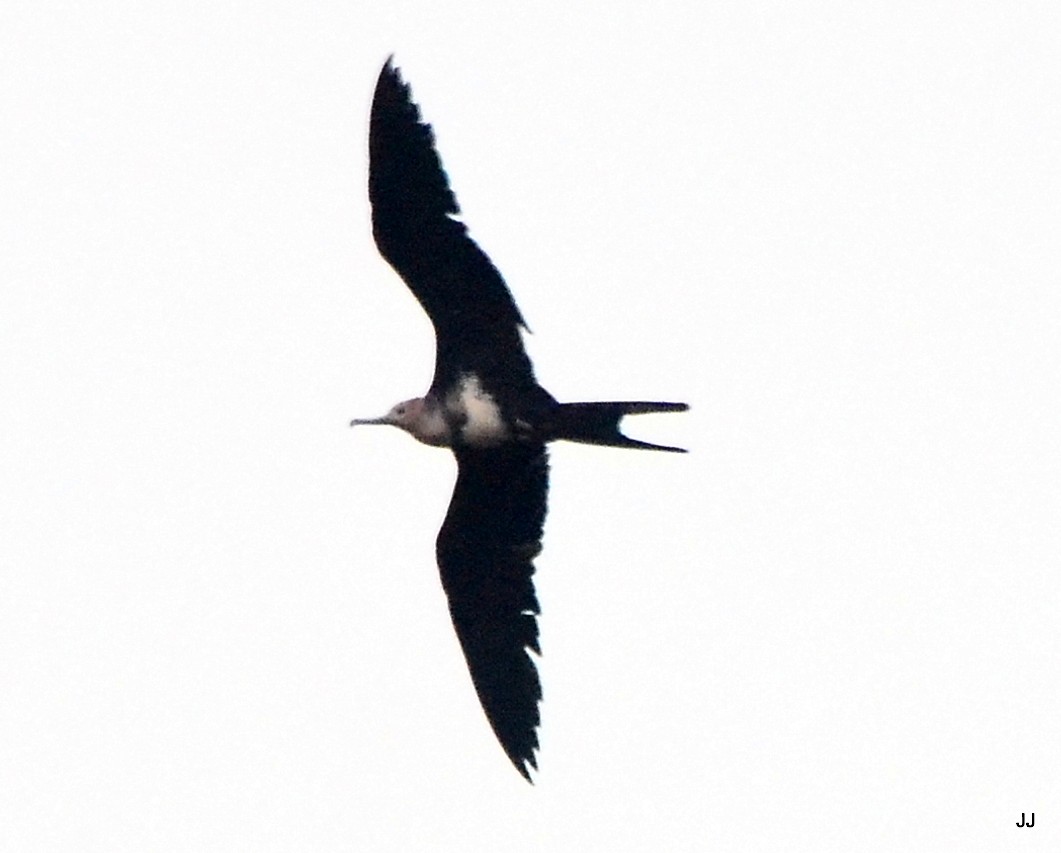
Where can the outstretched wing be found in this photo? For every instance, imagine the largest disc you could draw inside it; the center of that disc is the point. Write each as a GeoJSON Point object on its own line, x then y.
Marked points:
{"type": "Point", "coordinates": [476, 320]}
{"type": "Point", "coordinates": [486, 548]}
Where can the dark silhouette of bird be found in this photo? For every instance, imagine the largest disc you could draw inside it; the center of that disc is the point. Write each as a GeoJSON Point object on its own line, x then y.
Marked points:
{"type": "Point", "coordinates": [485, 405]}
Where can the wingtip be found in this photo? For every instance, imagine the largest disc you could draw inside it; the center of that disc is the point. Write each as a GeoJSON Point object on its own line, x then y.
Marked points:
{"type": "Point", "coordinates": [521, 764]}
{"type": "Point", "coordinates": [389, 69]}
{"type": "Point", "coordinates": [523, 755]}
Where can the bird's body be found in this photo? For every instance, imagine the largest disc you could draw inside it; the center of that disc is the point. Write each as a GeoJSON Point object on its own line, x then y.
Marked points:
{"type": "Point", "coordinates": [464, 415]}
{"type": "Point", "coordinates": [484, 404]}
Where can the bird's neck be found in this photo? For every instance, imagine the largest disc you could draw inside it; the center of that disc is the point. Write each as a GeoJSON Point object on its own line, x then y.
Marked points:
{"type": "Point", "coordinates": [432, 427]}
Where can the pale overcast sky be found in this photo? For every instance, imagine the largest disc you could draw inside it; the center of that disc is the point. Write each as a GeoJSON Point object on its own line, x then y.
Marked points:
{"type": "Point", "coordinates": [830, 227]}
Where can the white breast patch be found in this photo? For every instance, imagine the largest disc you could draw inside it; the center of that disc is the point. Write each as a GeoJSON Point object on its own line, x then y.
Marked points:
{"type": "Point", "coordinates": [483, 424]}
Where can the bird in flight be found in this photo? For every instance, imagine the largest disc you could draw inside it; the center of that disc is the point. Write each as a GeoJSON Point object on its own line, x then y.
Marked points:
{"type": "Point", "coordinates": [485, 405]}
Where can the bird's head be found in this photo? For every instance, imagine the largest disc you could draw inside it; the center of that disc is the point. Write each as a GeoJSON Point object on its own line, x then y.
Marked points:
{"type": "Point", "coordinates": [422, 421]}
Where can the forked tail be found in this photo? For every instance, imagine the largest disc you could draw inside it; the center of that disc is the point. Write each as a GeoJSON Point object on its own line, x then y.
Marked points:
{"type": "Point", "coordinates": [598, 423]}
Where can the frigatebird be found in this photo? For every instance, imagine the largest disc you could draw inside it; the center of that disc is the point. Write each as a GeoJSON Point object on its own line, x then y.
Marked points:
{"type": "Point", "coordinates": [485, 405]}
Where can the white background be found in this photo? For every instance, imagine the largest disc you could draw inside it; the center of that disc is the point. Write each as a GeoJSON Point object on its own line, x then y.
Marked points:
{"type": "Point", "coordinates": [831, 227]}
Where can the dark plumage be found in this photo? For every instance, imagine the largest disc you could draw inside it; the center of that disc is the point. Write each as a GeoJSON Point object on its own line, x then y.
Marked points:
{"type": "Point", "coordinates": [485, 550]}
{"type": "Point", "coordinates": [476, 320]}
{"type": "Point", "coordinates": [485, 404]}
